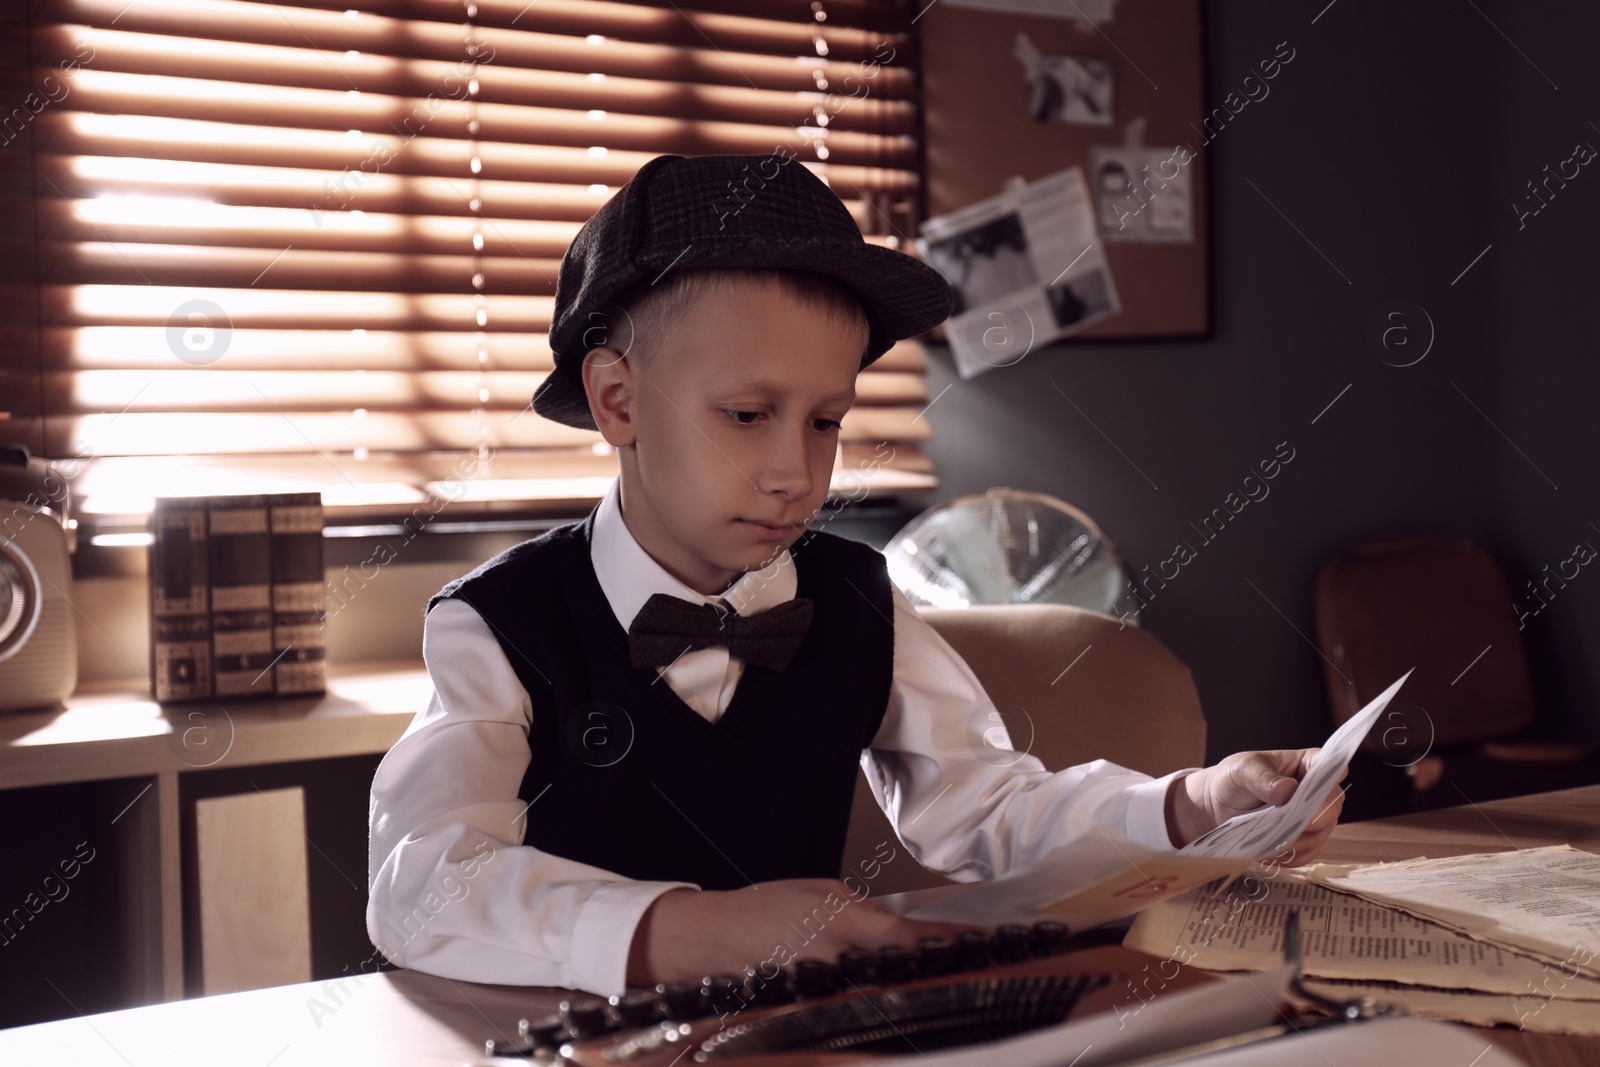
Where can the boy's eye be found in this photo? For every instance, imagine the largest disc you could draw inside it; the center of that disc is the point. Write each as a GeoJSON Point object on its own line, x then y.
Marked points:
{"type": "Point", "coordinates": [746, 418]}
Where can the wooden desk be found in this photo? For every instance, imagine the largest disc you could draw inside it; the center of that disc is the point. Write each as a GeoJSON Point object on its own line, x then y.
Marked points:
{"type": "Point", "coordinates": [1570, 817]}
{"type": "Point", "coordinates": [405, 1017]}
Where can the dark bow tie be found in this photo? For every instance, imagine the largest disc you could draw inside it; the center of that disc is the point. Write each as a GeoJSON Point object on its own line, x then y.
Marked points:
{"type": "Point", "coordinates": [668, 626]}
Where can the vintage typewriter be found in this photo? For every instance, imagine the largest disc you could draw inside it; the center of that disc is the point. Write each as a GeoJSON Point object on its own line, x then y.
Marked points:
{"type": "Point", "coordinates": [913, 1004]}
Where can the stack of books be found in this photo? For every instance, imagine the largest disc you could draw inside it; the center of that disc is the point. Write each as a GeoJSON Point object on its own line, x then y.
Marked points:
{"type": "Point", "coordinates": [237, 597]}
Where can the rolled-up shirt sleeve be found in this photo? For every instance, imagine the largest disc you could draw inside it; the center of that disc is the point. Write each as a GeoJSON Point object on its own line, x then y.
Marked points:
{"type": "Point", "coordinates": [965, 807]}
{"type": "Point", "coordinates": [452, 889]}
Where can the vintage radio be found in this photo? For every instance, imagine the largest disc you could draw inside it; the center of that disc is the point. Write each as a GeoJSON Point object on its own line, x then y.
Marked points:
{"type": "Point", "coordinates": [38, 647]}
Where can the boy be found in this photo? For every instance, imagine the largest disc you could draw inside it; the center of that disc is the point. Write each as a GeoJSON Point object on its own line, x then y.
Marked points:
{"type": "Point", "coordinates": [639, 759]}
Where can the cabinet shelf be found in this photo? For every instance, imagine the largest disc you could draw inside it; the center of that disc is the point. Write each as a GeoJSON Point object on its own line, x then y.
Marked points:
{"type": "Point", "coordinates": [131, 767]}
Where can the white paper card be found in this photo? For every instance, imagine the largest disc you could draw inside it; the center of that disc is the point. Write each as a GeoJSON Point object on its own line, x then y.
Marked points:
{"type": "Point", "coordinates": [1267, 831]}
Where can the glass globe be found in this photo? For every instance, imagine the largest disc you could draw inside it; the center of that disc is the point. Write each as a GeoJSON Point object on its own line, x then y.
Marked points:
{"type": "Point", "coordinates": [1008, 546]}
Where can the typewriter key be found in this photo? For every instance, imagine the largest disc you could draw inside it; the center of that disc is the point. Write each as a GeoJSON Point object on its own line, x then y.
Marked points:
{"type": "Point", "coordinates": [815, 978]}
{"type": "Point", "coordinates": [936, 957]}
{"type": "Point", "coordinates": [858, 968]}
{"type": "Point", "coordinates": [635, 1010]}
{"type": "Point", "coordinates": [682, 1001]}
{"type": "Point", "coordinates": [1046, 938]}
{"type": "Point", "coordinates": [766, 991]}
{"type": "Point", "coordinates": [896, 964]}
{"type": "Point", "coordinates": [585, 1018]}
{"type": "Point", "coordinates": [547, 1032]}
{"type": "Point", "coordinates": [725, 992]}
{"type": "Point", "coordinates": [1011, 944]}
{"type": "Point", "coordinates": [972, 950]}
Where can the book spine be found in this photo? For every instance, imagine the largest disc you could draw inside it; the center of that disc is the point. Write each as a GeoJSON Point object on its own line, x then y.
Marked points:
{"type": "Point", "coordinates": [299, 595]}
{"type": "Point", "coordinates": [180, 595]}
{"type": "Point", "coordinates": [241, 595]}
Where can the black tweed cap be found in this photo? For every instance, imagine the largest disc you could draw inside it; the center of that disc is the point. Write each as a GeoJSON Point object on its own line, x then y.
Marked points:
{"type": "Point", "coordinates": [700, 212]}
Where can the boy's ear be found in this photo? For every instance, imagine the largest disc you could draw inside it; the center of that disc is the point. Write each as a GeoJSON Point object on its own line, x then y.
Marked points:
{"type": "Point", "coordinates": [609, 381]}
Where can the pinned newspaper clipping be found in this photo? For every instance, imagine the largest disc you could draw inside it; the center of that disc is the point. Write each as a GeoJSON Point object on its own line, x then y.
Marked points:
{"type": "Point", "coordinates": [1027, 266]}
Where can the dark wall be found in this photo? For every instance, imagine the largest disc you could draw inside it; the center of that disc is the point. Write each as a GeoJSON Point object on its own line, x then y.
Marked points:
{"type": "Point", "coordinates": [1551, 377]}
{"type": "Point", "coordinates": [1385, 158]}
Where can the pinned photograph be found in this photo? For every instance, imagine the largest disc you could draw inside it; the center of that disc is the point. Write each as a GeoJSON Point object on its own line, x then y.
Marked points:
{"type": "Point", "coordinates": [1073, 300]}
{"type": "Point", "coordinates": [1113, 191]}
{"type": "Point", "coordinates": [1142, 194]}
{"type": "Point", "coordinates": [1072, 89]}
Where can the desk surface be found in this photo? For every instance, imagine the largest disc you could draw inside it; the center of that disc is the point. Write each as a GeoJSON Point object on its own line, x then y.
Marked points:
{"type": "Point", "coordinates": [406, 1017]}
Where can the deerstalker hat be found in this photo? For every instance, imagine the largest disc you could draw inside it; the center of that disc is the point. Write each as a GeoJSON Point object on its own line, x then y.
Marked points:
{"type": "Point", "coordinates": [701, 212]}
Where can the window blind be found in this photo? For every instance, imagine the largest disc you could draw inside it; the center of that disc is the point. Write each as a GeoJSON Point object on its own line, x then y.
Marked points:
{"type": "Point", "coordinates": [288, 246]}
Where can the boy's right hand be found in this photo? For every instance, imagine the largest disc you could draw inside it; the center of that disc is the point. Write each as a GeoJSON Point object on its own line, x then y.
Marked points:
{"type": "Point", "coordinates": [688, 934]}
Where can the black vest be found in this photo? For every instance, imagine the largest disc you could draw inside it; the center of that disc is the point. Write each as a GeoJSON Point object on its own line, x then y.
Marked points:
{"type": "Point", "coordinates": [626, 777]}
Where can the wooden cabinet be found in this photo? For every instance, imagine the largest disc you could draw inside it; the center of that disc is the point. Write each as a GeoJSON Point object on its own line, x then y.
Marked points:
{"type": "Point", "coordinates": [102, 805]}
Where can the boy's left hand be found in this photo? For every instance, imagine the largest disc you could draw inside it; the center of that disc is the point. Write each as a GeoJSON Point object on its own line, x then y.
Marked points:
{"type": "Point", "coordinates": [1243, 782]}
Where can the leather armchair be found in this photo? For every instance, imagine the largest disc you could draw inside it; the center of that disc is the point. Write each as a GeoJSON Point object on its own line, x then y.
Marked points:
{"type": "Point", "coordinates": [1084, 685]}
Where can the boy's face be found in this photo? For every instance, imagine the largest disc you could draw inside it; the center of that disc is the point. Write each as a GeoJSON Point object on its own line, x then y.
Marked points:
{"type": "Point", "coordinates": [727, 436]}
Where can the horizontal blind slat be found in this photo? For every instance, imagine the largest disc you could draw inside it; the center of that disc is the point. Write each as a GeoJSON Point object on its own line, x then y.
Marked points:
{"type": "Point", "coordinates": [396, 272]}
{"type": "Point", "coordinates": [505, 129]}
{"type": "Point", "coordinates": [437, 202]}
{"type": "Point", "coordinates": [581, 16]}
{"type": "Point", "coordinates": [78, 177]}
{"type": "Point", "coordinates": [169, 232]}
{"type": "Point", "coordinates": [222, 390]}
{"type": "Point", "coordinates": [663, 43]}
{"type": "Point", "coordinates": [178, 433]}
{"type": "Point", "coordinates": [149, 348]}
{"type": "Point", "coordinates": [187, 140]}
{"type": "Point", "coordinates": [67, 348]}
{"type": "Point", "coordinates": [153, 305]}
{"type": "Point", "coordinates": [385, 279]}
{"type": "Point", "coordinates": [875, 100]}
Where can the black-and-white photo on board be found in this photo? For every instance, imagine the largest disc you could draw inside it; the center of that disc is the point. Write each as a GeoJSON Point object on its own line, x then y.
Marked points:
{"type": "Point", "coordinates": [986, 262]}
{"type": "Point", "coordinates": [1142, 194]}
{"type": "Point", "coordinates": [1071, 89]}
{"type": "Point", "coordinates": [1087, 296]}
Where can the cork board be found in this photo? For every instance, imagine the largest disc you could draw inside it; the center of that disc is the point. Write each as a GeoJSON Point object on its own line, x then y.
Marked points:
{"type": "Point", "coordinates": [979, 132]}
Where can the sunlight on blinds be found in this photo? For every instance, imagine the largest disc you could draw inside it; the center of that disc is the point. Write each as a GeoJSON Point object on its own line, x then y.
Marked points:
{"type": "Point", "coordinates": [289, 246]}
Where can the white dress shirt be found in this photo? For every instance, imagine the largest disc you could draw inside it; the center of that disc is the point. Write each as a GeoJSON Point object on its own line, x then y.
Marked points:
{"type": "Point", "coordinates": [454, 892]}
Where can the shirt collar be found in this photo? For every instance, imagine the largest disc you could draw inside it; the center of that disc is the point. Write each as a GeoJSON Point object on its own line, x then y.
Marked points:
{"type": "Point", "coordinates": [629, 575]}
